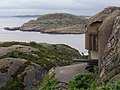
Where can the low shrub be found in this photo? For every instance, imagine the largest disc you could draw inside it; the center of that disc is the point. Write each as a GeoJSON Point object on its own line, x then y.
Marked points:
{"type": "Point", "coordinates": [114, 86]}
{"type": "Point", "coordinates": [49, 83]}
{"type": "Point", "coordinates": [81, 82]}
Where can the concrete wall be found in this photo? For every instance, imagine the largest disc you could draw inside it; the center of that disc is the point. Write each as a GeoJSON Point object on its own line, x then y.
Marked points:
{"type": "Point", "coordinates": [91, 30]}
{"type": "Point", "coordinates": [93, 54]}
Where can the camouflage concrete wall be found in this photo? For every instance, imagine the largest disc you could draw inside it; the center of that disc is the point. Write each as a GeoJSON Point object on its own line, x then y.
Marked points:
{"type": "Point", "coordinates": [110, 66]}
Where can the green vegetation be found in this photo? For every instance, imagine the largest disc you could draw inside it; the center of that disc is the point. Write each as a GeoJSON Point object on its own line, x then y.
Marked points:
{"type": "Point", "coordinates": [15, 84]}
{"type": "Point", "coordinates": [7, 44]}
{"type": "Point", "coordinates": [15, 54]}
{"type": "Point", "coordinates": [114, 86]}
{"type": "Point", "coordinates": [41, 61]}
{"type": "Point", "coordinates": [81, 82]}
{"type": "Point", "coordinates": [88, 82]}
{"type": "Point", "coordinates": [60, 16]}
{"type": "Point", "coordinates": [49, 83]}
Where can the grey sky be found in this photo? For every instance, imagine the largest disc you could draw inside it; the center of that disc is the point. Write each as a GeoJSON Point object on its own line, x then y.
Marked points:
{"type": "Point", "coordinates": [81, 7]}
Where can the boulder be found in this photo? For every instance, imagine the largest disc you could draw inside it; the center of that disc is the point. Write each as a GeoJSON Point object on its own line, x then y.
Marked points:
{"type": "Point", "coordinates": [12, 28]}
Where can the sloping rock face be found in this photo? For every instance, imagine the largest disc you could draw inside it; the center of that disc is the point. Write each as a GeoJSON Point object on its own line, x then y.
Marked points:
{"type": "Point", "coordinates": [22, 65]}
{"type": "Point", "coordinates": [8, 67]}
{"type": "Point", "coordinates": [21, 48]}
{"type": "Point", "coordinates": [57, 23]}
{"type": "Point", "coordinates": [110, 66]}
{"type": "Point", "coordinates": [9, 71]}
{"type": "Point", "coordinates": [66, 73]}
{"type": "Point", "coordinates": [106, 26]}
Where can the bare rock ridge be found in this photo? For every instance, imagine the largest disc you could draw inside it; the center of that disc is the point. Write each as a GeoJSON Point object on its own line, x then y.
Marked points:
{"type": "Point", "coordinates": [57, 23]}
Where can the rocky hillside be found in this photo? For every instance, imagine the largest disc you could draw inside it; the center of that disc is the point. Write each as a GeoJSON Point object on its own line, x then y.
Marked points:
{"type": "Point", "coordinates": [22, 65]}
{"type": "Point", "coordinates": [57, 23]}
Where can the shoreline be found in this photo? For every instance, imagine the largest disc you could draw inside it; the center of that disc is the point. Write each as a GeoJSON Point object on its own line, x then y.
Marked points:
{"type": "Point", "coordinates": [52, 33]}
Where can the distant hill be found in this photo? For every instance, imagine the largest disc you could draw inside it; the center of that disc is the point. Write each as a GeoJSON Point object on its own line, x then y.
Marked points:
{"type": "Point", "coordinates": [25, 16]}
{"type": "Point", "coordinates": [56, 23]}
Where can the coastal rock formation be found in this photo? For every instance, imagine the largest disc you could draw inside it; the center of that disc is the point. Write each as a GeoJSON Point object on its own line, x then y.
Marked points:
{"type": "Point", "coordinates": [22, 65]}
{"type": "Point", "coordinates": [104, 27]}
{"type": "Point", "coordinates": [12, 29]}
{"type": "Point", "coordinates": [57, 23]}
{"type": "Point", "coordinates": [110, 69]}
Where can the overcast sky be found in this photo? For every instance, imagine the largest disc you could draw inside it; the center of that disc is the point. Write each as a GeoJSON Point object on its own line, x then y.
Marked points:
{"type": "Point", "coordinates": [79, 7]}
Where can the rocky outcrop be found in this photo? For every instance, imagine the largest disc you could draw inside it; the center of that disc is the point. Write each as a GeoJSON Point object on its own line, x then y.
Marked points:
{"type": "Point", "coordinates": [12, 29]}
{"type": "Point", "coordinates": [20, 48]}
{"type": "Point", "coordinates": [57, 23]}
{"type": "Point", "coordinates": [9, 71]}
{"type": "Point", "coordinates": [22, 65]}
{"type": "Point", "coordinates": [109, 69]}
{"type": "Point", "coordinates": [104, 27]}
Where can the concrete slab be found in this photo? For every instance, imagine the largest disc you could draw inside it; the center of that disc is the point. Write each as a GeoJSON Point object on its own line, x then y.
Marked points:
{"type": "Point", "coordinates": [64, 74]}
